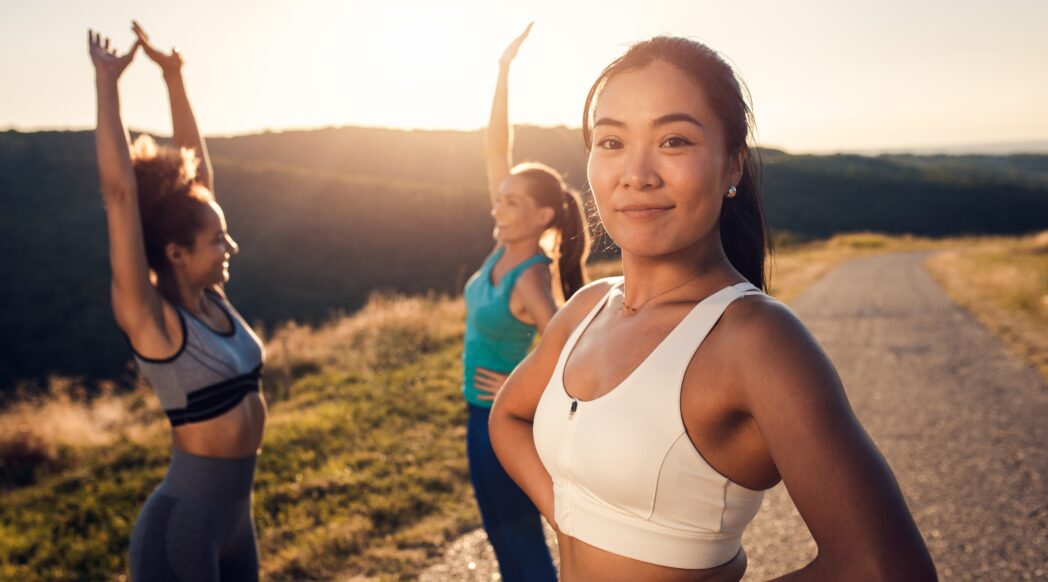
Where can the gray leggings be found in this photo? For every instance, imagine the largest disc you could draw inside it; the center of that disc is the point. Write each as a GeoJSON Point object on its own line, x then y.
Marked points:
{"type": "Point", "coordinates": [197, 525]}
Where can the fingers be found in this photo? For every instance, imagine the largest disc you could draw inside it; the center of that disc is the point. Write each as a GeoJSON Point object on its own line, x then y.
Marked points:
{"type": "Point", "coordinates": [141, 34]}
{"type": "Point", "coordinates": [484, 386]}
{"type": "Point", "coordinates": [527, 30]}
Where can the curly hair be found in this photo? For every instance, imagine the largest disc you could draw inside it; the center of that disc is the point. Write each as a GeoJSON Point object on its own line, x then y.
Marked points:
{"type": "Point", "coordinates": [171, 202]}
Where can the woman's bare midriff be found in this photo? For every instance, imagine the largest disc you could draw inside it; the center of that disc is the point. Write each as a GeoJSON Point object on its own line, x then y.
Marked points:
{"type": "Point", "coordinates": [581, 562]}
{"type": "Point", "coordinates": [235, 434]}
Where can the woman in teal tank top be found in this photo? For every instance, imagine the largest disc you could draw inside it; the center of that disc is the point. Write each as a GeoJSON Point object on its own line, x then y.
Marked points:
{"type": "Point", "coordinates": [511, 297]}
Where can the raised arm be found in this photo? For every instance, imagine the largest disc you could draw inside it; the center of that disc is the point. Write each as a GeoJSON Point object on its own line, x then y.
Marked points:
{"type": "Point", "coordinates": [186, 132]}
{"type": "Point", "coordinates": [499, 140]}
{"type": "Point", "coordinates": [136, 302]}
{"type": "Point", "coordinates": [842, 486]}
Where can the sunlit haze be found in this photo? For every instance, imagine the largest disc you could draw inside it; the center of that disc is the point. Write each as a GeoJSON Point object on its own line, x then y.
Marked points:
{"type": "Point", "coordinates": [824, 75]}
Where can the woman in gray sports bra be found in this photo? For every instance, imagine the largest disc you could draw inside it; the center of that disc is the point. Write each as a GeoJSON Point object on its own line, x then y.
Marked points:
{"type": "Point", "coordinates": [169, 252]}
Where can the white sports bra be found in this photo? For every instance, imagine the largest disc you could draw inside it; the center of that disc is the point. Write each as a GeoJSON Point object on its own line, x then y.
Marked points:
{"type": "Point", "coordinates": [626, 476]}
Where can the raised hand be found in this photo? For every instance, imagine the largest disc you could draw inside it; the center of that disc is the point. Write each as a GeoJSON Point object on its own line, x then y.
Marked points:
{"type": "Point", "coordinates": [511, 50]}
{"type": "Point", "coordinates": [169, 63]}
{"type": "Point", "coordinates": [105, 58]}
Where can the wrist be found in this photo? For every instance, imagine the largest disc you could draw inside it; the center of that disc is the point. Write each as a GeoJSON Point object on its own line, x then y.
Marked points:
{"type": "Point", "coordinates": [105, 78]}
{"type": "Point", "coordinates": [173, 75]}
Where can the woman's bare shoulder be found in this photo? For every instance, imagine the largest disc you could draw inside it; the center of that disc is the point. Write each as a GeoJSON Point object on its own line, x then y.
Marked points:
{"type": "Point", "coordinates": [771, 346]}
{"type": "Point", "coordinates": [581, 303]}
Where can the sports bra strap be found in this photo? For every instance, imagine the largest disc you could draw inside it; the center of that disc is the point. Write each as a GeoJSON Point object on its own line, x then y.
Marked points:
{"type": "Point", "coordinates": [517, 271]}
{"type": "Point", "coordinates": [675, 353]}
{"type": "Point", "coordinates": [569, 345]}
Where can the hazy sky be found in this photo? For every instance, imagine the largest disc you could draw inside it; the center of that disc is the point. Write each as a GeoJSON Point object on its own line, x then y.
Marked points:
{"type": "Point", "coordinates": [824, 75]}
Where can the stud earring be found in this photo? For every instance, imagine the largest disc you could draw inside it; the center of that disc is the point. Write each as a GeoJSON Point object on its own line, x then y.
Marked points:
{"type": "Point", "coordinates": [732, 191]}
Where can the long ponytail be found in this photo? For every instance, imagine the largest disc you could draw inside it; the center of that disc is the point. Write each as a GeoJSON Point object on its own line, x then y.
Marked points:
{"type": "Point", "coordinates": [569, 221]}
{"type": "Point", "coordinates": [573, 245]}
{"type": "Point", "coordinates": [743, 233]}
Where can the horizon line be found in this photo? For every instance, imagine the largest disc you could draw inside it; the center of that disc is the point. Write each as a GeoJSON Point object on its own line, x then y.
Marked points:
{"type": "Point", "coordinates": [1032, 146]}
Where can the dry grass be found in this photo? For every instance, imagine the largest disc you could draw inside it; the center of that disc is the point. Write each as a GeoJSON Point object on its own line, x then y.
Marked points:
{"type": "Point", "coordinates": [373, 339]}
{"type": "Point", "coordinates": [47, 432]}
{"type": "Point", "coordinates": [795, 266]}
{"type": "Point", "coordinates": [1004, 283]}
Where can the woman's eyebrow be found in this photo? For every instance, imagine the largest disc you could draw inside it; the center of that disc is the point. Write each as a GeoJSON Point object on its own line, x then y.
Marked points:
{"type": "Point", "coordinates": [675, 117]}
{"type": "Point", "coordinates": [665, 119]}
{"type": "Point", "coordinates": [608, 121]}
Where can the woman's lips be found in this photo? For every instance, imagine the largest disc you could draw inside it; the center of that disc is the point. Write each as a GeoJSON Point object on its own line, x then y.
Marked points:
{"type": "Point", "coordinates": [644, 211]}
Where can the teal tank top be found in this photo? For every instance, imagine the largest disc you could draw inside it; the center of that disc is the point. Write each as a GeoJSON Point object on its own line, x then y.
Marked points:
{"type": "Point", "coordinates": [495, 339]}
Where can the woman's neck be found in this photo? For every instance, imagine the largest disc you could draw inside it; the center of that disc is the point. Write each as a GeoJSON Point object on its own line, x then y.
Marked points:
{"type": "Point", "coordinates": [182, 292]}
{"type": "Point", "coordinates": [698, 268]}
{"type": "Point", "coordinates": [520, 250]}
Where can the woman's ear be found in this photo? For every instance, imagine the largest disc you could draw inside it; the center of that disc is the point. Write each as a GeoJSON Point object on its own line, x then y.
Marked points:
{"type": "Point", "coordinates": [546, 216]}
{"type": "Point", "coordinates": [175, 254]}
{"type": "Point", "coordinates": [736, 165]}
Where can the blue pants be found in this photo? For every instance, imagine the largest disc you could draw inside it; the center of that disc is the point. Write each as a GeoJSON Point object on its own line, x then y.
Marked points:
{"type": "Point", "coordinates": [510, 519]}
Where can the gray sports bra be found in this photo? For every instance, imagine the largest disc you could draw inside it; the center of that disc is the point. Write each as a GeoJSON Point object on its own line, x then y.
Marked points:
{"type": "Point", "coordinates": [211, 372]}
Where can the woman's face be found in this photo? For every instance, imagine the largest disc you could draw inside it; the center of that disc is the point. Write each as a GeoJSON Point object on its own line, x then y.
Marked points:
{"type": "Point", "coordinates": [517, 216]}
{"type": "Point", "coordinates": [207, 263]}
{"type": "Point", "coordinates": [658, 165]}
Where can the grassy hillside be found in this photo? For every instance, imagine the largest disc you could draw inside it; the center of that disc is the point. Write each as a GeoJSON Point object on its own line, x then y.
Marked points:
{"type": "Point", "coordinates": [363, 469]}
{"type": "Point", "coordinates": [325, 217]}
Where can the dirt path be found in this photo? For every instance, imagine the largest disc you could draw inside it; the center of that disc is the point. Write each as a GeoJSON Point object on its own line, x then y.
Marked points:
{"type": "Point", "coordinates": [962, 421]}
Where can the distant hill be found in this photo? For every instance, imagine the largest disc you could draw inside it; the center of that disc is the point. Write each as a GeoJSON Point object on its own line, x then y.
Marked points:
{"type": "Point", "coordinates": [326, 216]}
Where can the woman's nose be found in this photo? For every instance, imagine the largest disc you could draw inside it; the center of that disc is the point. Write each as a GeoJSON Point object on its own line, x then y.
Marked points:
{"type": "Point", "coordinates": [640, 171]}
{"type": "Point", "coordinates": [232, 246]}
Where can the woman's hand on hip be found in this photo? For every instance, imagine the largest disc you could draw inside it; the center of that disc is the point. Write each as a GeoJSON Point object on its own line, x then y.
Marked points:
{"type": "Point", "coordinates": [488, 382]}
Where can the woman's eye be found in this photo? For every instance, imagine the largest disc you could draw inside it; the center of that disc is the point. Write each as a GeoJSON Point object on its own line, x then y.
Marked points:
{"type": "Point", "coordinates": [675, 142]}
{"type": "Point", "coordinates": [609, 143]}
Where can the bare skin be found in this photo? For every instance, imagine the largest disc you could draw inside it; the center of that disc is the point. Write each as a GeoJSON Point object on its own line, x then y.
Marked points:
{"type": "Point", "coordinates": [519, 222]}
{"type": "Point", "coordinates": [149, 320]}
{"type": "Point", "coordinates": [760, 400]}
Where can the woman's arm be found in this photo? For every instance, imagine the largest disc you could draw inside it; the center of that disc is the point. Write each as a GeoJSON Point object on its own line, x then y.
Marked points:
{"type": "Point", "coordinates": [183, 122]}
{"type": "Point", "coordinates": [514, 409]}
{"type": "Point", "coordinates": [136, 303]}
{"type": "Point", "coordinates": [834, 473]}
{"type": "Point", "coordinates": [533, 292]}
{"type": "Point", "coordinates": [499, 138]}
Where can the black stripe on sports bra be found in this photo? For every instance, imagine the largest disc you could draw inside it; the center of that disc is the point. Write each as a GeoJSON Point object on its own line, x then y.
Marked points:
{"type": "Point", "coordinates": [215, 400]}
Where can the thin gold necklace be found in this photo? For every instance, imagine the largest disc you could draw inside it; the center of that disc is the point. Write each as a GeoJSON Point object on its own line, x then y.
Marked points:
{"type": "Point", "coordinates": [629, 308]}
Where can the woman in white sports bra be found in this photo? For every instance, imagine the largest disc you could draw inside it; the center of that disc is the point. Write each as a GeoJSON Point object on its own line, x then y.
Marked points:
{"type": "Point", "coordinates": [659, 406]}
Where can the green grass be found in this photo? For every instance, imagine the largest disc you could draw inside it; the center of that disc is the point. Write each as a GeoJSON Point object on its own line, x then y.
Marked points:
{"type": "Point", "coordinates": [363, 471]}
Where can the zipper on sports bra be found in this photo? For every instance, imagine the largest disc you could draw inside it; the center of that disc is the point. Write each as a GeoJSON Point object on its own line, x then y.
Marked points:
{"type": "Point", "coordinates": [574, 407]}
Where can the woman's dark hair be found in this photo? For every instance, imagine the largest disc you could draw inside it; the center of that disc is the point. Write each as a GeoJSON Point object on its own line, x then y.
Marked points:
{"type": "Point", "coordinates": [743, 231]}
{"type": "Point", "coordinates": [549, 190]}
{"type": "Point", "coordinates": [171, 203]}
